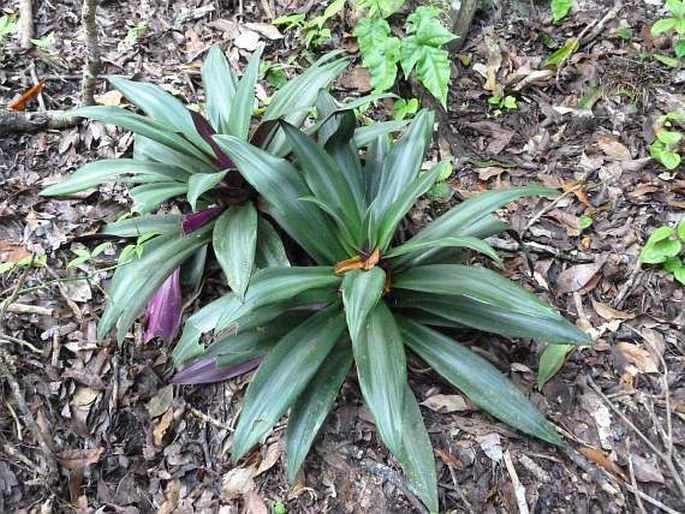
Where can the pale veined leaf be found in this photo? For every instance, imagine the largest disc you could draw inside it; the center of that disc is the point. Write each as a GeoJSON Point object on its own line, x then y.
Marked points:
{"type": "Point", "coordinates": [270, 250]}
{"type": "Point", "coordinates": [151, 223]}
{"type": "Point", "coordinates": [220, 83]}
{"type": "Point", "coordinates": [361, 291]}
{"type": "Point", "coordinates": [145, 149]}
{"type": "Point", "coordinates": [243, 101]}
{"type": "Point", "coordinates": [470, 242]}
{"type": "Point", "coordinates": [149, 196]}
{"type": "Point", "coordinates": [200, 183]}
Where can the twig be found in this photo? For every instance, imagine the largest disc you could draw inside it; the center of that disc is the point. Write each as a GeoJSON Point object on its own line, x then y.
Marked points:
{"type": "Point", "coordinates": [519, 490]}
{"type": "Point", "coordinates": [590, 32]}
{"type": "Point", "coordinates": [25, 24]}
{"type": "Point", "coordinates": [22, 308]}
{"type": "Point", "coordinates": [20, 121]}
{"type": "Point", "coordinates": [535, 247]}
{"type": "Point", "coordinates": [633, 480]}
{"type": "Point", "coordinates": [548, 208]}
{"type": "Point", "coordinates": [617, 303]}
{"type": "Point", "coordinates": [92, 67]}
{"type": "Point", "coordinates": [459, 492]}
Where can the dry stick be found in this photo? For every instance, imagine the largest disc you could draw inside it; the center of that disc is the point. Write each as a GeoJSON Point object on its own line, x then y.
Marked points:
{"type": "Point", "coordinates": [92, 67]}
{"type": "Point", "coordinates": [25, 24]}
{"type": "Point", "coordinates": [666, 458]}
{"type": "Point", "coordinates": [633, 480]}
{"type": "Point", "coordinates": [18, 121]}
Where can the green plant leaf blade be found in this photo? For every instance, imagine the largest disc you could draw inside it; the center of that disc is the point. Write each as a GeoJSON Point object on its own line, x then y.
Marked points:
{"type": "Point", "coordinates": [470, 242]}
{"type": "Point", "coordinates": [361, 291]}
{"type": "Point", "coordinates": [663, 25]}
{"type": "Point", "coordinates": [478, 379]}
{"type": "Point", "coordinates": [560, 9]}
{"type": "Point", "coordinates": [243, 100]}
{"type": "Point", "coordinates": [139, 225]}
{"type": "Point", "coordinates": [283, 376]}
{"type": "Point", "coordinates": [270, 250]}
{"type": "Point", "coordinates": [381, 368]}
{"type": "Point", "coordinates": [147, 197]}
{"type": "Point", "coordinates": [235, 243]}
{"type": "Point", "coordinates": [416, 454]}
{"type": "Point", "coordinates": [551, 361]}
{"type": "Point", "coordinates": [200, 183]}
{"type": "Point", "coordinates": [220, 83]}
{"type": "Point", "coordinates": [313, 404]}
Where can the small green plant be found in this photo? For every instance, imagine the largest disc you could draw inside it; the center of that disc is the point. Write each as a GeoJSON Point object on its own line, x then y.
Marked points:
{"type": "Point", "coordinates": [585, 221]}
{"type": "Point", "coordinates": [674, 23]}
{"type": "Point", "coordinates": [560, 9]}
{"type": "Point", "coordinates": [665, 147]}
{"type": "Point", "coordinates": [420, 51]}
{"type": "Point", "coordinates": [368, 299]}
{"type": "Point", "coordinates": [25, 262]}
{"type": "Point", "coordinates": [500, 103]}
{"type": "Point", "coordinates": [46, 43]}
{"type": "Point", "coordinates": [314, 30]}
{"type": "Point", "coordinates": [84, 255]}
{"type": "Point", "coordinates": [134, 33]}
{"type": "Point", "coordinates": [665, 246]}
{"type": "Point", "coordinates": [405, 108]}
{"type": "Point", "coordinates": [442, 190]}
{"type": "Point", "coordinates": [8, 25]}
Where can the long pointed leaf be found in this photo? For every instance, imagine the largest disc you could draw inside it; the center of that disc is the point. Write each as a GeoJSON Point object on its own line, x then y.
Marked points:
{"type": "Point", "coordinates": [243, 101]}
{"type": "Point", "coordinates": [283, 376]}
{"type": "Point", "coordinates": [472, 243]}
{"type": "Point", "coordinates": [146, 149]}
{"type": "Point", "coordinates": [478, 379]}
{"type": "Point", "coordinates": [313, 405]}
{"type": "Point", "coordinates": [361, 291]}
{"type": "Point", "coordinates": [200, 183]}
{"type": "Point", "coordinates": [134, 227]}
{"type": "Point", "coordinates": [235, 242]}
{"type": "Point", "coordinates": [382, 371]}
{"type": "Point", "coordinates": [149, 196]}
{"type": "Point", "coordinates": [270, 250]}
{"type": "Point", "coordinates": [220, 83]}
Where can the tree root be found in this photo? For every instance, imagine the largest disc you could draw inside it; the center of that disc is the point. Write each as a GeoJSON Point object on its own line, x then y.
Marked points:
{"type": "Point", "coordinates": [20, 121]}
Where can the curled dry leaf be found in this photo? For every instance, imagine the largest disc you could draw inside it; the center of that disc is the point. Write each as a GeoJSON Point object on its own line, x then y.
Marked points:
{"type": "Point", "coordinates": [609, 313]}
{"type": "Point", "coordinates": [237, 482]}
{"type": "Point", "coordinates": [604, 462]}
{"type": "Point", "coordinates": [638, 357]}
{"type": "Point", "coordinates": [491, 445]}
{"type": "Point", "coordinates": [577, 277]}
{"type": "Point", "coordinates": [614, 149]}
{"type": "Point", "coordinates": [447, 403]}
{"type": "Point", "coordinates": [161, 427]}
{"type": "Point", "coordinates": [80, 458]}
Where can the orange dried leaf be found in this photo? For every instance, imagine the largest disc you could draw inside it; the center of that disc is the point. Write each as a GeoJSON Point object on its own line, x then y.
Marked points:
{"type": "Point", "coordinates": [19, 103]}
{"type": "Point", "coordinates": [348, 264]}
{"type": "Point", "coordinates": [373, 259]}
{"type": "Point", "coordinates": [604, 462]}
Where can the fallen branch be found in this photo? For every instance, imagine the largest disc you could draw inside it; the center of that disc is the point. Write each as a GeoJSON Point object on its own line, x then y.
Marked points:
{"type": "Point", "coordinates": [92, 67]}
{"type": "Point", "coordinates": [19, 121]}
{"type": "Point", "coordinates": [25, 24]}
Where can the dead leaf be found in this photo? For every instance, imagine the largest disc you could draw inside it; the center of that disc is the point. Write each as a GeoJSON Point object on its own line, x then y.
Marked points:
{"type": "Point", "coordinates": [171, 495]}
{"type": "Point", "coordinates": [646, 470]}
{"type": "Point", "coordinates": [83, 397]}
{"type": "Point", "coordinates": [112, 97]}
{"type": "Point", "coordinates": [161, 427]}
{"type": "Point", "coordinates": [265, 29]}
{"type": "Point", "coordinates": [447, 403]}
{"type": "Point", "coordinates": [491, 445]}
{"type": "Point", "coordinates": [609, 313]}
{"type": "Point", "coordinates": [602, 418]}
{"type": "Point", "coordinates": [576, 277]}
{"type": "Point", "coordinates": [194, 44]}
{"type": "Point", "coordinates": [19, 103]}
{"type": "Point", "coordinates": [254, 504]}
{"type": "Point", "coordinates": [237, 482]}
{"type": "Point", "coordinates": [449, 459]}
{"type": "Point", "coordinates": [638, 357]}
{"type": "Point", "coordinates": [247, 40]}
{"type": "Point", "coordinates": [604, 462]}
{"type": "Point", "coordinates": [642, 190]}
{"type": "Point", "coordinates": [357, 78]}
{"type": "Point", "coordinates": [273, 453]}
{"type": "Point", "coordinates": [614, 149]}
{"type": "Point", "coordinates": [80, 458]}
{"type": "Point", "coordinates": [161, 402]}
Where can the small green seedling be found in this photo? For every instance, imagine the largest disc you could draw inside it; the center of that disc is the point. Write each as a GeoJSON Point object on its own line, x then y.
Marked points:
{"type": "Point", "coordinates": [26, 262]}
{"type": "Point", "coordinates": [8, 25]}
{"type": "Point", "coordinates": [665, 247]}
{"type": "Point", "coordinates": [314, 31]}
{"type": "Point", "coordinates": [405, 108]}
{"type": "Point", "coordinates": [674, 23]}
{"type": "Point", "coordinates": [84, 255]}
{"type": "Point", "coordinates": [46, 43]}
{"type": "Point", "coordinates": [560, 9]}
{"type": "Point", "coordinates": [135, 32]}
{"type": "Point", "coordinates": [585, 221]}
{"type": "Point", "coordinates": [135, 251]}
{"type": "Point", "coordinates": [502, 103]}
{"type": "Point", "coordinates": [664, 149]}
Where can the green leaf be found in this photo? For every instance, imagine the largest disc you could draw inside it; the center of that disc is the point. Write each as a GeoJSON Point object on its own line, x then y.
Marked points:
{"type": "Point", "coordinates": [324, 178]}
{"type": "Point", "coordinates": [235, 243]}
{"type": "Point", "coordinates": [663, 25]}
{"type": "Point", "coordinates": [494, 319]}
{"type": "Point", "coordinates": [416, 454]}
{"type": "Point", "coordinates": [477, 379]}
{"type": "Point", "coordinates": [95, 173]}
{"type": "Point", "coordinates": [220, 84]}
{"type": "Point", "coordinates": [679, 274]}
{"type": "Point", "coordinates": [560, 9]}
{"type": "Point", "coordinates": [312, 406]}
{"type": "Point", "coordinates": [155, 130]}
{"type": "Point", "coordinates": [382, 8]}
{"type": "Point", "coordinates": [551, 361]}
{"type": "Point", "coordinates": [270, 250]}
{"type": "Point", "coordinates": [160, 106]}
{"type": "Point", "coordinates": [133, 284]}
{"type": "Point", "coordinates": [660, 246]}
{"type": "Point", "coordinates": [669, 137]}
{"type": "Point", "coordinates": [557, 58]}
{"type": "Point", "coordinates": [147, 197]}
{"type": "Point", "coordinates": [433, 71]}
{"type": "Point", "coordinates": [243, 101]}
{"type": "Point", "coordinates": [134, 227]}
{"type": "Point", "coordinates": [200, 183]}
{"type": "Point", "coordinates": [382, 371]}
{"type": "Point", "coordinates": [380, 51]}
{"type": "Point", "coordinates": [145, 149]}
{"type": "Point", "coordinates": [425, 23]}
{"type": "Point", "coordinates": [679, 46]}
{"type": "Point", "coordinates": [364, 136]}
{"type": "Point", "coordinates": [361, 291]}
{"type": "Point", "coordinates": [283, 375]}
{"type": "Point", "coordinates": [680, 230]}
{"type": "Point", "coordinates": [668, 61]}
{"type": "Point", "coordinates": [475, 282]}
{"type": "Point", "coordinates": [670, 160]}
{"type": "Point", "coordinates": [282, 186]}
{"type": "Point", "coordinates": [472, 243]}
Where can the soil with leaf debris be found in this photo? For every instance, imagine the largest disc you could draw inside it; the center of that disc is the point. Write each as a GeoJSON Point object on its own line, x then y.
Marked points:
{"type": "Point", "coordinates": [88, 426]}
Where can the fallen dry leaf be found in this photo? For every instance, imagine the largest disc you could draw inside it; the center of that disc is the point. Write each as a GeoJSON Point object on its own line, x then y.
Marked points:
{"type": "Point", "coordinates": [79, 458]}
{"type": "Point", "coordinates": [237, 482]}
{"type": "Point", "coordinates": [112, 97]}
{"type": "Point", "coordinates": [638, 357]}
{"type": "Point", "coordinates": [491, 445]}
{"type": "Point", "coordinates": [447, 403]}
{"type": "Point", "coordinates": [161, 427]}
{"type": "Point", "coordinates": [614, 149]}
{"type": "Point", "coordinates": [609, 313]}
{"type": "Point", "coordinates": [267, 30]}
{"type": "Point", "coordinates": [273, 453]}
{"type": "Point", "coordinates": [646, 470]}
{"type": "Point", "coordinates": [576, 277]}
{"type": "Point", "coordinates": [604, 462]}
{"type": "Point", "coordinates": [254, 504]}
{"type": "Point", "coordinates": [449, 459]}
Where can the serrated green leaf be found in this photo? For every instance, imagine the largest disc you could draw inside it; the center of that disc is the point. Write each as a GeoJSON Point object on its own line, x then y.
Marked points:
{"type": "Point", "coordinates": [433, 71]}
{"type": "Point", "coordinates": [98, 172]}
{"type": "Point", "coordinates": [382, 8]}
{"type": "Point", "coordinates": [283, 376]}
{"type": "Point", "coordinates": [477, 379]}
{"type": "Point", "coordinates": [312, 406]}
{"type": "Point", "coordinates": [551, 361]}
{"type": "Point", "coordinates": [148, 197]}
{"type": "Point", "coordinates": [282, 186]}
{"type": "Point", "coordinates": [243, 101]}
{"type": "Point", "coordinates": [560, 9]}
{"type": "Point", "coordinates": [380, 51]}
{"type": "Point", "coordinates": [425, 23]}
{"type": "Point", "coordinates": [382, 371]}
{"type": "Point", "coordinates": [235, 243]}
{"type": "Point", "coordinates": [200, 183]}
{"type": "Point", "coordinates": [270, 250]}
{"type": "Point", "coordinates": [416, 454]}
{"type": "Point", "coordinates": [220, 84]}
{"type": "Point", "coordinates": [361, 291]}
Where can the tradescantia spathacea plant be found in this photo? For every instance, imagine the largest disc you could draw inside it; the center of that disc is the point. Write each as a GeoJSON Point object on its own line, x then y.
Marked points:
{"type": "Point", "coordinates": [176, 158]}
{"type": "Point", "coordinates": [368, 299]}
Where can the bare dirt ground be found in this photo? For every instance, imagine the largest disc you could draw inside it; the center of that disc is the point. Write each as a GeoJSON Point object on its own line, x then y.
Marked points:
{"type": "Point", "coordinates": [87, 426]}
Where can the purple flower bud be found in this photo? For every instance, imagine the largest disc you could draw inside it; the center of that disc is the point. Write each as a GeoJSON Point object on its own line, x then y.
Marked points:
{"type": "Point", "coordinates": [191, 222]}
{"type": "Point", "coordinates": [164, 309]}
{"type": "Point", "coordinates": [206, 371]}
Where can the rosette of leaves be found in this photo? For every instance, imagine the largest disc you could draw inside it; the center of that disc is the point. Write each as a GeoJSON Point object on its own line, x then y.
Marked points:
{"type": "Point", "coordinates": [368, 300]}
{"type": "Point", "coordinates": [175, 157]}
